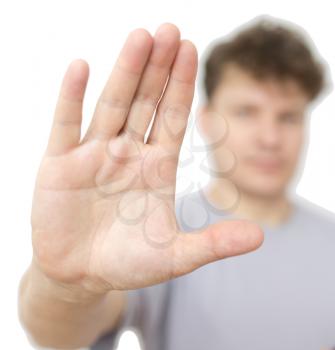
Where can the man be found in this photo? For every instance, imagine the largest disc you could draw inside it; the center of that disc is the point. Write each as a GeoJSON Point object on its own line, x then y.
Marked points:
{"type": "Point", "coordinates": [102, 273]}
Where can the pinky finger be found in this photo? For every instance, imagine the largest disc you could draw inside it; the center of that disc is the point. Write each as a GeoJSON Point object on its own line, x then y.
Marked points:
{"type": "Point", "coordinates": [66, 126]}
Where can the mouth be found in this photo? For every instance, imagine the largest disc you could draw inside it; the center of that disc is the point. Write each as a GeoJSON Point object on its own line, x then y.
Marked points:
{"type": "Point", "coordinates": [268, 166]}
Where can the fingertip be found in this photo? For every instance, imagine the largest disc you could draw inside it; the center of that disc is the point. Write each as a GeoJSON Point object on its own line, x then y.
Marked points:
{"type": "Point", "coordinates": [190, 46]}
{"type": "Point", "coordinates": [142, 36]}
{"type": "Point", "coordinates": [75, 79]}
{"type": "Point", "coordinates": [257, 237]}
{"type": "Point", "coordinates": [167, 27]}
{"type": "Point", "coordinates": [186, 61]}
{"type": "Point", "coordinates": [80, 68]}
{"type": "Point", "coordinates": [136, 50]}
{"type": "Point", "coordinates": [79, 62]}
{"type": "Point", "coordinates": [235, 237]}
{"type": "Point", "coordinates": [248, 231]}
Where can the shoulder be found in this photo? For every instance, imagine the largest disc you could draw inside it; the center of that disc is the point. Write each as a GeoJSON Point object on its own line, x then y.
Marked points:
{"type": "Point", "coordinates": [314, 215]}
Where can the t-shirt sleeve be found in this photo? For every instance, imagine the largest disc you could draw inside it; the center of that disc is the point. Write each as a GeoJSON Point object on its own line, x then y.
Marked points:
{"type": "Point", "coordinates": [131, 320]}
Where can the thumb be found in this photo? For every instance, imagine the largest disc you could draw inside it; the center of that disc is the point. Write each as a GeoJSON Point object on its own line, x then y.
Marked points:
{"type": "Point", "coordinates": [215, 242]}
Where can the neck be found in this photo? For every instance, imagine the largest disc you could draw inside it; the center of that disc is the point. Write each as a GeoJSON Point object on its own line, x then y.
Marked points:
{"type": "Point", "coordinates": [269, 210]}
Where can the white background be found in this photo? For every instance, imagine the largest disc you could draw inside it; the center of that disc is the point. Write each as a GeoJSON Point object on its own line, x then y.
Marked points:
{"type": "Point", "coordinates": [38, 41]}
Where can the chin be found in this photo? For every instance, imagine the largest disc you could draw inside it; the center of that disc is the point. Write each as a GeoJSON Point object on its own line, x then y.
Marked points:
{"type": "Point", "coordinates": [263, 189]}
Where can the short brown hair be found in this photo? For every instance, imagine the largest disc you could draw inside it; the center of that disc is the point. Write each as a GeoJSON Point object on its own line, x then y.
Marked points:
{"type": "Point", "coordinates": [267, 49]}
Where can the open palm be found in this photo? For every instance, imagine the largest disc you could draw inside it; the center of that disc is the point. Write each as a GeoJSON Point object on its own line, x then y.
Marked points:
{"type": "Point", "coordinates": [103, 207]}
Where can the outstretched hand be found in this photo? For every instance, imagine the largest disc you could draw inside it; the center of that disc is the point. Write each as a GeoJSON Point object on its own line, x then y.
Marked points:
{"type": "Point", "coordinates": [103, 214]}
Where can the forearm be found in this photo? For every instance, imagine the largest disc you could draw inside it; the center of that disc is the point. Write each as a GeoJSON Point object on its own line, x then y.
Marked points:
{"type": "Point", "coordinates": [52, 320]}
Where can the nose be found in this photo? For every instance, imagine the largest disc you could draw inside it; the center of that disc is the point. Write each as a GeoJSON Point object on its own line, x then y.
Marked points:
{"type": "Point", "coordinates": [269, 133]}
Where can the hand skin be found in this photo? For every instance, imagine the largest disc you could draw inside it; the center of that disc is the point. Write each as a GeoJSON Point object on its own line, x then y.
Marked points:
{"type": "Point", "coordinates": [103, 219]}
{"type": "Point", "coordinates": [56, 316]}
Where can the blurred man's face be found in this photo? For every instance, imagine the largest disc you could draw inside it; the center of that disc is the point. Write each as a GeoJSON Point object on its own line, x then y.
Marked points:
{"type": "Point", "coordinates": [264, 122]}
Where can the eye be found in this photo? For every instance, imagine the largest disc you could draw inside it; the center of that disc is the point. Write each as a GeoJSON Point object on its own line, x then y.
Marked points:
{"type": "Point", "coordinates": [291, 117]}
{"type": "Point", "coordinates": [243, 112]}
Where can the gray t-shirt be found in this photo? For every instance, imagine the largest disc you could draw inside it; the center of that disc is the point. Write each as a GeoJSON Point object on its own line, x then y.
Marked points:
{"type": "Point", "coordinates": [278, 297]}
